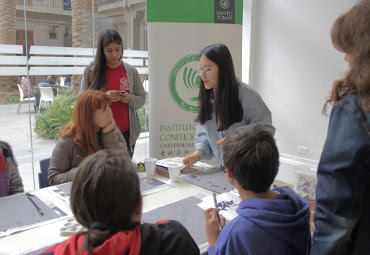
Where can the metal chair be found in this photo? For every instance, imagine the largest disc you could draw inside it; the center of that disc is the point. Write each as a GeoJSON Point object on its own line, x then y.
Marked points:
{"type": "Point", "coordinates": [22, 99]}
{"type": "Point", "coordinates": [46, 96]}
{"type": "Point", "coordinates": [43, 174]}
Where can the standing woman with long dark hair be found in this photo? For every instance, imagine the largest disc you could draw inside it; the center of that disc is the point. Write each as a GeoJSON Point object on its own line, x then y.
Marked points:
{"type": "Point", "coordinates": [342, 216]}
{"type": "Point", "coordinates": [225, 103]}
{"type": "Point", "coordinates": [122, 83]}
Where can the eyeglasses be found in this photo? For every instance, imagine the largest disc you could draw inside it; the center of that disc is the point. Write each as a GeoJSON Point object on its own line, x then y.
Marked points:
{"type": "Point", "coordinates": [201, 71]}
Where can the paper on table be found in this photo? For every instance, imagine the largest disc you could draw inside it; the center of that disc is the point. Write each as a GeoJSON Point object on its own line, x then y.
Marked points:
{"type": "Point", "coordinates": [162, 166]}
{"type": "Point", "coordinates": [228, 203]}
{"type": "Point", "coordinates": [184, 211]}
{"type": "Point", "coordinates": [166, 161]}
{"type": "Point", "coordinates": [63, 192]}
{"type": "Point", "coordinates": [66, 187]}
{"type": "Point", "coordinates": [213, 179]}
{"type": "Point", "coordinates": [150, 185]}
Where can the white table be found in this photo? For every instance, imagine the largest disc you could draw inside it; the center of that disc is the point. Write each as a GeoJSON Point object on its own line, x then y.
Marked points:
{"type": "Point", "coordinates": [46, 235]}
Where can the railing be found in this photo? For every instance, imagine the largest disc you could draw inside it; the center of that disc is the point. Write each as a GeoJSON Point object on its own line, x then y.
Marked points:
{"type": "Point", "coordinates": [105, 2]}
{"type": "Point", "coordinates": [59, 4]}
{"type": "Point", "coordinates": [46, 60]}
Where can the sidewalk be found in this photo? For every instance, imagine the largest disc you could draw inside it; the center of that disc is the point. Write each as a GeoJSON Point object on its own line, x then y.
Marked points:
{"type": "Point", "coordinates": [15, 130]}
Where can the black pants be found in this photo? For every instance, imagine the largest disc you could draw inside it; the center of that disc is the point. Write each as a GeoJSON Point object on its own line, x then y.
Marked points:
{"type": "Point", "coordinates": [130, 149]}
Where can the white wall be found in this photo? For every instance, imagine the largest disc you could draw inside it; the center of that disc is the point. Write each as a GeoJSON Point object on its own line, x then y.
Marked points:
{"type": "Point", "coordinates": [41, 33]}
{"type": "Point", "coordinates": [292, 64]}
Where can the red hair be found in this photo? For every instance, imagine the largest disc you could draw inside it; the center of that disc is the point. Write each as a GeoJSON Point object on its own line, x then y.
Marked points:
{"type": "Point", "coordinates": [81, 127]}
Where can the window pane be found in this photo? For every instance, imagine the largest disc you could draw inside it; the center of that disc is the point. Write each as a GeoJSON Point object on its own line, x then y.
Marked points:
{"type": "Point", "coordinates": [61, 36]}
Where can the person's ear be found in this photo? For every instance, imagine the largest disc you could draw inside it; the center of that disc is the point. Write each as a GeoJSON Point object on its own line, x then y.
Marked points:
{"type": "Point", "coordinates": [229, 174]}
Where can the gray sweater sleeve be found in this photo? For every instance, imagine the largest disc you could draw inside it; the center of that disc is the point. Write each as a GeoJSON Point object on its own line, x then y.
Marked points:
{"type": "Point", "coordinates": [15, 185]}
{"type": "Point", "coordinates": [138, 93]}
{"type": "Point", "coordinates": [63, 165]}
{"type": "Point", "coordinates": [114, 140]}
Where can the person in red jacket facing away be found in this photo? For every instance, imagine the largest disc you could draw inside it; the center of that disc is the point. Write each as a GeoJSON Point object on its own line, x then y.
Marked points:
{"type": "Point", "coordinates": [106, 199]}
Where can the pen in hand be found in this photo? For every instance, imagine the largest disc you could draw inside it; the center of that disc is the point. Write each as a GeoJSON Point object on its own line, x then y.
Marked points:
{"type": "Point", "coordinates": [218, 215]}
{"type": "Point", "coordinates": [33, 202]}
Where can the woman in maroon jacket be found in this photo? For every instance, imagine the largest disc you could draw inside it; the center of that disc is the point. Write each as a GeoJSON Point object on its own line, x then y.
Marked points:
{"type": "Point", "coordinates": [106, 199]}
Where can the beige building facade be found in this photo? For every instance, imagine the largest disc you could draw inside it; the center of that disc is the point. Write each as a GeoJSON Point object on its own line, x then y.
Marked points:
{"type": "Point", "coordinates": [69, 23]}
{"type": "Point", "coordinates": [51, 22]}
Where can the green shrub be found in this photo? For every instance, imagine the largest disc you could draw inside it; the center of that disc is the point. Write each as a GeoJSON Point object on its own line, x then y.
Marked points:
{"type": "Point", "coordinates": [10, 100]}
{"type": "Point", "coordinates": [143, 113]}
{"type": "Point", "coordinates": [49, 123]}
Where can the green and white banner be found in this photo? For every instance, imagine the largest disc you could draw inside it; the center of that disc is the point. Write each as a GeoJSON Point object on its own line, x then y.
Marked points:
{"type": "Point", "coordinates": [177, 31]}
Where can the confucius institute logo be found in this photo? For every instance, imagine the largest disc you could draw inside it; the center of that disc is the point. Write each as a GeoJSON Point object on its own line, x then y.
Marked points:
{"type": "Point", "coordinates": [184, 83]}
{"type": "Point", "coordinates": [224, 4]}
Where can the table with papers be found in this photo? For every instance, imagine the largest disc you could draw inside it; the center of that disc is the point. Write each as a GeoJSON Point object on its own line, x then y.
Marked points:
{"type": "Point", "coordinates": [160, 198]}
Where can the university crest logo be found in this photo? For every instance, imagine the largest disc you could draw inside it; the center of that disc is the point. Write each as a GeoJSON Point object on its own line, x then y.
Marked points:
{"type": "Point", "coordinates": [224, 4]}
{"type": "Point", "coordinates": [184, 83]}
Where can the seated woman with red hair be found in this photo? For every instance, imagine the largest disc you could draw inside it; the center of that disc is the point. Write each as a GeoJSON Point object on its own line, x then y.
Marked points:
{"type": "Point", "coordinates": [92, 128]}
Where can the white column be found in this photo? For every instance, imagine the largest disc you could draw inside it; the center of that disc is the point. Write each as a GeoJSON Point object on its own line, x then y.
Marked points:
{"type": "Point", "coordinates": [131, 15]}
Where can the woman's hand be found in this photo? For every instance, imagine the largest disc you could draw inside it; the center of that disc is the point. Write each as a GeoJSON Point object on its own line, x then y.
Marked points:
{"type": "Point", "coordinates": [221, 142]}
{"type": "Point", "coordinates": [191, 159]}
{"type": "Point", "coordinates": [114, 95]}
{"type": "Point", "coordinates": [125, 98]}
{"type": "Point", "coordinates": [109, 127]}
{"type": "Point", "coordinates": [212, 226]}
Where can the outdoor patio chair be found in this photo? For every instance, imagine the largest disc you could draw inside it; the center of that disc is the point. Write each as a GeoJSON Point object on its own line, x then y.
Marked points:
{"type": "Point", "coordinates": [22, 99]}
{"type": "Point", "coordinates": [46, 96]}
{"type": "Point", "coordinates": [43, 174]}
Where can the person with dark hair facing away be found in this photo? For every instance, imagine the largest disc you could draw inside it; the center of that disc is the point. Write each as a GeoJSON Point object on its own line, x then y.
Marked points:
{"type": "Point", "coordinates": [122, 83]}
{"type": "Point", "coordinates": [50, 79]}
{"type": "Point", "coordinates": [225, 103]}
{"type": "Point", "coordinates": [68, 81]}
{"type": "Point", "coordinates": [270, 221]}
{"type": "Point", "coordinates": [92, 128]}
{"type": "Point", "coordinates": [113, 217]}
{"type": "Point", "coordinates": [342, 215]}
